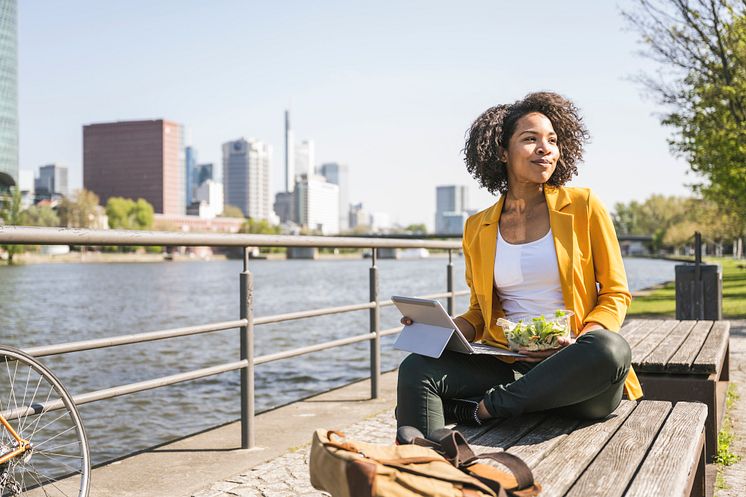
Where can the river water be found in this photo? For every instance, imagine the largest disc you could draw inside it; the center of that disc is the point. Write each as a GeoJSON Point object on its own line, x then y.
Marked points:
{"type": "Point", "coordinates": [55, 303]}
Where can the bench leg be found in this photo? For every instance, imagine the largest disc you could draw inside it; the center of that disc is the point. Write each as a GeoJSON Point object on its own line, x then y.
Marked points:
{"type": "Point", "coordinates": [705, 389]}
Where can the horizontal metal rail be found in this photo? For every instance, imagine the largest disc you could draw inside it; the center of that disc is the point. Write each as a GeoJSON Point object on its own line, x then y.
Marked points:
{"type": "Point", "coordinates": [314, 313]}
{"type": "Point", "coordinates": [150, 336]}
{"type": "Point", "coordinates": [110, 393]}
{"type": "Point", "coordinates": [26, 235]}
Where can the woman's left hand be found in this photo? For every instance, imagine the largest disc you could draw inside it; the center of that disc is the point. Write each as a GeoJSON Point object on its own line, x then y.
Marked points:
{"type": "Point", "coordinates": [540, 355]}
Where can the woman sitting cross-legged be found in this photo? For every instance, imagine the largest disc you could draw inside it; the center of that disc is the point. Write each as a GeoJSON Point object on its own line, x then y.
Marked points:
{"type": "Point", "coordinates": [542, 247]}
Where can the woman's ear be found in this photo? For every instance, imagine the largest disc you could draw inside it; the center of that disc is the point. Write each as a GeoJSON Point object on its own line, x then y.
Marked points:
{"type": "Point", "coordinates": [502, 154]}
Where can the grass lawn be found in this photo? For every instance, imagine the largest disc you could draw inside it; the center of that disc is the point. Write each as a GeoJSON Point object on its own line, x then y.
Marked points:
{"type": "Point", "coordinates": [662, 302]}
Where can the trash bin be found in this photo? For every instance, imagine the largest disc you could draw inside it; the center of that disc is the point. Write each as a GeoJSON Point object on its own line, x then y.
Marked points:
{"type": "Point", "coordinates": [699, 298]}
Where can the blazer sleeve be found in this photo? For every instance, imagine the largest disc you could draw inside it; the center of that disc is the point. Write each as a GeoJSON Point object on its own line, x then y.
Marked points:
{"type": "Point", "coordinates": [613, 293]}
{"type": "Point", "coordinates": [474, 314]}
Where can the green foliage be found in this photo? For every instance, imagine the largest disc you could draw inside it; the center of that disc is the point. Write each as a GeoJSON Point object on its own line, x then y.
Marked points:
{"type": "Point", "coordinates": [80, 210]}
{"type": "Point", "coordinates": [672, 221]}
{"type": "Point", "coordinates": [702, 48]}
{"type": "Point", "coordinates": [40, 215]}
{"type": "Point", "coordinates": [259, 227]}
{"type": "Point", "coordinates": [231, 211]}
{"type": "Point", "coordinates": [125, 213]}
{"type": "Point", "coordinates": [10, 212]}
{"type": "Point", "coordinates": [417, 229]}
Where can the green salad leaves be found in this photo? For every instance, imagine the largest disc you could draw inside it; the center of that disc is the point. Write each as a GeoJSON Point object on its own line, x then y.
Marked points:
{"type": "Point", "coordinates": [538, 333]}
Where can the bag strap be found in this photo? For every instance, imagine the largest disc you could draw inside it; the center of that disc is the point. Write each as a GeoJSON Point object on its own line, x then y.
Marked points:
{"type": "Point", "coordinates": [458, 452]}
{"type": "Point", "coordinates": [455, 448]}
{"type": "Point", "coordinates": [523, 475]}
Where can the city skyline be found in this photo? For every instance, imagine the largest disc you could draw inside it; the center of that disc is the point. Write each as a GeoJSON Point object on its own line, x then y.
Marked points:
{"type": "Point", "coordinates": [392, 101]}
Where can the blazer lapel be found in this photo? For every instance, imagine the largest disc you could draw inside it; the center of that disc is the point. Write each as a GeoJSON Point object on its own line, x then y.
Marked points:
{"type": "Point", "coordinates": [487, 247]}
{"type": "Point", "coordinates": [564, 241]}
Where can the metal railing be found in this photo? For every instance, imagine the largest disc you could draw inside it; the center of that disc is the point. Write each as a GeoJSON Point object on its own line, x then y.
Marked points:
{"type": "Point", "coordinates": [18, 235]}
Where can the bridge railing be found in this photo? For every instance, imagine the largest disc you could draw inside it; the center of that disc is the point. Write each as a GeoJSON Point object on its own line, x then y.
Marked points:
{"type": "Point", "coordinates": [18, 235]}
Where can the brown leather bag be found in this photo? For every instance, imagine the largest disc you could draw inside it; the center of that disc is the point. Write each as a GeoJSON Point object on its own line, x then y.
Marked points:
{"type": "Point", "coordinates": [357, 469]}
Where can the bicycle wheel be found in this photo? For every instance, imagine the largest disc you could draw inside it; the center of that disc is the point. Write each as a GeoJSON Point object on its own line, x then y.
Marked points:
{"type": "Point", "coordinates": [41, 412]}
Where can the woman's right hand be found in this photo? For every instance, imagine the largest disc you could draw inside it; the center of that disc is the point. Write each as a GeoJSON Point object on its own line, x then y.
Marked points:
{"type": "Point", "coordinates": [406, 321]}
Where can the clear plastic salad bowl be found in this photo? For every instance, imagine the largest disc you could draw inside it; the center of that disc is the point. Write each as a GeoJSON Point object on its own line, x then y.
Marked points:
{"type": "Point", "coordinates": [538, 333]}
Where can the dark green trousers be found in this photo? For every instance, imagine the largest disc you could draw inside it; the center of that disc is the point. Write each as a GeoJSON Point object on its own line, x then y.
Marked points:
{"type": "Point", "coordinates": [584, 380]}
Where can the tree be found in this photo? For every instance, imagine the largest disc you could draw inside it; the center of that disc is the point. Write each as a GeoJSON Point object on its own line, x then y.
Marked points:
{"type": "Point", "coordinates": [40, 215]}
{"type": "Point", "coordinates": [80, 210]}
{"type": "Point", "coordinates": [231, 211]}
{"type": "Point", "coordinates": [10, 212]}
{"type": "Point", "coordinates": [701, 46]}
{"type": "Point", "coordinates": [416, 229]}
{"type": "Point", "coordinates": [260, 227]}
{"type": "Point", "coordinates": [125, 213]}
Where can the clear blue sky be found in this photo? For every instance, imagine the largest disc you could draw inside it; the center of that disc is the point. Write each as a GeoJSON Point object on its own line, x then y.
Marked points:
{"type": "Point", "coordinates": [387, 87]}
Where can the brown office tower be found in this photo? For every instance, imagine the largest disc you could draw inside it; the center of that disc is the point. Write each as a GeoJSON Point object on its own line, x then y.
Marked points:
{"type": "Point", "coordinates": [136, 159]}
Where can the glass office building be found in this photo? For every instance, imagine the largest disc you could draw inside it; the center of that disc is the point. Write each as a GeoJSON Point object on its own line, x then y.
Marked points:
{"type": "Point", "coordinates": [8, 94]}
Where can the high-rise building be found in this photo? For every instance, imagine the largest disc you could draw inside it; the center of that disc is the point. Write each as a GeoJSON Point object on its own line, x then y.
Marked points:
{"type": "Point", "coordinates": [305, 157]}
{"type": "Point", "coordinates": [289, 155]}
{"type": "Point", "coordinates": [190, 162]}
{"type": "Point", "coordinates": [339, 175]}
{"type": "Point", "coordinates": [8, 94]}
{"type": "Point", "coordinates": [451, 202]}
{"type": "Point", "coordinates": [203, 172]}
{"type": "Point", "coordinates": [136, 159]}
{"type": "Point", "coordinates": [317, 204]}
{"type": "Point", "coordinates": [52, 181]}
{"type": "Point", "coordinates": [359, 217]}
{"type": "Point", "coordinates": [246, 177]}
{"type": "Point", "coordinates": [284, 206]}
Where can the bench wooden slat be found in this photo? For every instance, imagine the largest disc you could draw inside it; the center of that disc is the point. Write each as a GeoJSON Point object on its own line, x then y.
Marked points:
{"type": "Point", "coordinates": [630, 325]}
{"type": "Point", "coordinates": [540, 441]}
{"type": "Point", "coordinates": [639, 333]}
{"type": "Point", "coordinates": [657, 360]}
{"type": "Point", "coordinates": [674, 455]}
{"type": "Point", "coordinates": [611, 471]}
{"type": "Point", "coordinates": [642, 348]}
{"type": "Point", "coordinates": [681, 361]}
{"type": "Point", "coordinates": [559, 470]}
{"type": "Point", "coordinates": [503, 435]}
{"type": "Point", "coordinates": [711, 355]}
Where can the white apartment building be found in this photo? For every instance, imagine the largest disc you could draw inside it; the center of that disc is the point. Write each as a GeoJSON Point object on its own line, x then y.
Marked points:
{"type": "Point", "coordinates": [317, 204]}
{"type": "Point", "coordinates": [246, 182]}
{"type": "Point", "coordinates": [305, 157]}
{"type": "Point", "coordinates": [210, 193]}
{"type": "Point", "coordinates": [339, 175]}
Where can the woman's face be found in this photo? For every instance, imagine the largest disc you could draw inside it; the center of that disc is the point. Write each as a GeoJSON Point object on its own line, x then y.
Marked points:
{"type": "Point", "coordinates": [532, 152]}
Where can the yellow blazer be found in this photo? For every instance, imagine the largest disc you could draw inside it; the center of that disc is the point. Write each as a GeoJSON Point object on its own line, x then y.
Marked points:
{"type": "Point", "coordinates": [587, 253]}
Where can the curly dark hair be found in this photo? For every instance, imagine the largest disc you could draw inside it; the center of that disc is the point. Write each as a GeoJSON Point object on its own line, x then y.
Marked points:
{"type": "Point", "coordinates": [493, 129]}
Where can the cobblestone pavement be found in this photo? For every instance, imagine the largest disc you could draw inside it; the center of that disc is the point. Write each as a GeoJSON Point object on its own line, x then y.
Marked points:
{"type": "Point", "coordinates": [734, 476]}
{"type": "Point", "coordinates": [287, 475]}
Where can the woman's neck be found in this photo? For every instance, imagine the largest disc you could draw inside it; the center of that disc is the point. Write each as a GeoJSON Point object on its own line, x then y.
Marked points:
{"type": "Point", "coordinates": [523, 197]}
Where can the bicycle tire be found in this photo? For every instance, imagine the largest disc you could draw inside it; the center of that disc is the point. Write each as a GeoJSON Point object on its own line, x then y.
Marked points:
{"type": "Point", "coordinates": [41, 410]}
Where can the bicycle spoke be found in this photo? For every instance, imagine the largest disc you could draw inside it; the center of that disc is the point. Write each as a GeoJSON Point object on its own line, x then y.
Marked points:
{"type": "Point", "coordinates": [59, 456]}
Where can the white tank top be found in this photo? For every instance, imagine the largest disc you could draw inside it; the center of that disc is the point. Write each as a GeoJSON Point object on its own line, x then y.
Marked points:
{"type": "Point", "coordinates": [527, 277]}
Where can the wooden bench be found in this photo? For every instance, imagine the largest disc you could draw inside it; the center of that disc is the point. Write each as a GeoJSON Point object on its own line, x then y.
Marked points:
{"type": "Point", "coordinates": [683, 360]}
{"type": "Point", "coordinates": [642, 449]}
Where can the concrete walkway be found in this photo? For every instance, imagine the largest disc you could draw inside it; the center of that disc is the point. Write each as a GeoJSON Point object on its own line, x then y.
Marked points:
{"type": "Point", "coordinates": [193, 465]}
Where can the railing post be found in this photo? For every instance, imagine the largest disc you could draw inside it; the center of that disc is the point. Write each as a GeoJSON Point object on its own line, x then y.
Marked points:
{"type": "Point", "coordinates": [247, 352]}
{"type": "Point", "coordinates": [449, 283]}
{"type": "Point", "coordinates": [375, 343]}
